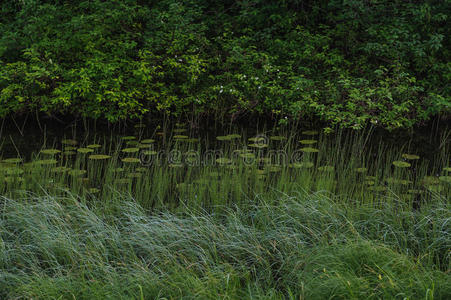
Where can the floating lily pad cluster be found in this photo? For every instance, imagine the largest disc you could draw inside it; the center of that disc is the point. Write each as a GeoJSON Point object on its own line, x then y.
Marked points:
{"type": "Point", "coordinates": [132, 161]}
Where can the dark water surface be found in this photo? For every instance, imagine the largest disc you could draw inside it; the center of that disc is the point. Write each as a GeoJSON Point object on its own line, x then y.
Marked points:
{"type": "Point", "coordinates": [370, 164]}
{"type": "Point", "coordinates": [25, 137]}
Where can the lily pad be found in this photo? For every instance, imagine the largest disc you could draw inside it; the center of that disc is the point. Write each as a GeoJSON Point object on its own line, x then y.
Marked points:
{"type": "Point", "coordinates": [143, 146]}
{"type": "Point", "coordinates": [99, 156]}
{"type": "Point", "coordinates": [410, 156]}
{"type": "Point", "coordinates": [240, 151]}
{"type": "Point", "coordinates": [401, 164]}
{"type": "Point", "coordinates": [191, 140]}
{"type": "Point", "coordinates": [50, 151]}
{"type": "Point", "coordinates": [69, 142]}
{"type": "Point", "coordinates": [128, 138]}
{"type": "Point", "coordinates": [150, 152]}
{"type": "Point", "coordinates": [308, 142]}
{"type": "Point", "coordinates": [130, 160]}
{"type": "Point", "coordinates": [277, 138]}
{"type": "Point", "coordinates": [259, 139]}
{"type": "Point", "coordinates": [310, 132]}
{"type": "Point", "coordinates": [446, 179]}
{"type": "Point", "coordinates": [258, 145]}
{"type": "Point", "coordinates": [147, 141]}
{"type": "Point", "coordinates": [45, 162]}
{"type": "Point", "coordinates": [180, 137]}
{"type": "Point", "coordinates": [234, 136]}
{"type": "Point", "coordinates": [85, 150]}
{"type": "Point", "coordinates": [132, 143]}
{"type": "Point", "coordinates": [247, 155]}
{"type": "Point", "coordinates": [94, 146]}
{"type": "Point", "coordinates": [309, 150]}
{"type": "Point", "coordinates": [15, 160]}
{"type": "Point", "coordinates": [130, 150]}
{"type": "Point", "coordinates": [175, 165]}
{"type": "Point", "coordinates": [223, 138]}
{"type": "Point", "coordinates": [70, 148]}
{"type": "Point", "coordinates": [361, 170]}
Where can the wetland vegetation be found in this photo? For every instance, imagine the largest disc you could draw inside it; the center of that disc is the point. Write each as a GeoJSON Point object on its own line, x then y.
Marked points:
{"type": "Point", "coordinates": [199, 149]}
{"type": "Point", "coordinates": [169, 212]}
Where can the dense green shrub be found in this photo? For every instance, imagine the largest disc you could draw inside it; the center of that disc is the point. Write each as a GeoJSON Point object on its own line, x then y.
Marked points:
{"type": "Point", "coordinates": [347, 62]}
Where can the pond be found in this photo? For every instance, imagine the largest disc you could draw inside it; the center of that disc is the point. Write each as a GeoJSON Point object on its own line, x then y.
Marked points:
{"type": "Point", "coordinates": [173, 164]}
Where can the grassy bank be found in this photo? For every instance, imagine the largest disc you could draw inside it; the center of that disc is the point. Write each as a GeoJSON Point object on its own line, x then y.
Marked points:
{"type": "Point", "coordinates": [308, 246]}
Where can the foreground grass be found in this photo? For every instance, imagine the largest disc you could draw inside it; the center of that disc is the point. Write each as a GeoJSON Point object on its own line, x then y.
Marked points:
{"type": "Point", "coordinates": [306, 246]}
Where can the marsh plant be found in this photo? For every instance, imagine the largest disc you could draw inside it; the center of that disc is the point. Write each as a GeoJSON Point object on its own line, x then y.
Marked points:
{"type": "Point", "coordinates": [299, 247]}
{"type": "Point", "coordinates": [171, 171]}
{"type": "Point", "coordinates": [274, 215]}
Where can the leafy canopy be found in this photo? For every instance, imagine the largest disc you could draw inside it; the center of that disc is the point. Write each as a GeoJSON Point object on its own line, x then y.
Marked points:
{"type": "Point", "coordinates": [347, 62]}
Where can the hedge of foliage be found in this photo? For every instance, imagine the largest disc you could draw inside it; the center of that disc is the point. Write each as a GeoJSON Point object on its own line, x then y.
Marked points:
{"type": "Point", "coordinates": [349, 62]}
